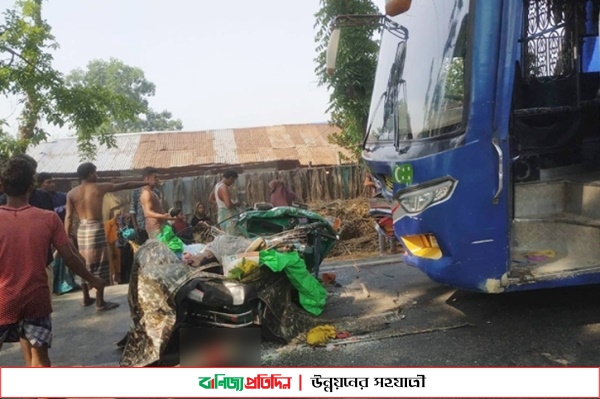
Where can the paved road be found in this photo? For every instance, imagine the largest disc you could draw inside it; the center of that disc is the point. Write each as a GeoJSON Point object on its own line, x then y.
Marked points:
{"type": "Point", "coordinates": [83, 336]}
{"type": "Point", "coordinates": [446, 327]}
{"type": "Point", "coordinates": [417, 323]}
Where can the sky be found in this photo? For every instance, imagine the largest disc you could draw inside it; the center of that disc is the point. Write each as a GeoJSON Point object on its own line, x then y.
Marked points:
{"type": "Point", "coordinates": [216, 64]}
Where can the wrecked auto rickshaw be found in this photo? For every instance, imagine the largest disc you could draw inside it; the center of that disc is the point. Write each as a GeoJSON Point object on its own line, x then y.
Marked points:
{"type": "Point", "coordinates": [263, 278]}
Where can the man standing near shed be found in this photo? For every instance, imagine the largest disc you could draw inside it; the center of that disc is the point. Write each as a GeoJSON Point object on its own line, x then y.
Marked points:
{"type": "Point", "coordinates": [227, 208]}
{"type": "Point", "coordinates": [85, 200]}
{"type": "Point", "coordinates": [156, 217]}
{"type": "Point", "coordinates": [64, 279]}
{"type": "Point", "coordinates": [150, 175]}
{"type": "Point", "coordinates": [59, 200]}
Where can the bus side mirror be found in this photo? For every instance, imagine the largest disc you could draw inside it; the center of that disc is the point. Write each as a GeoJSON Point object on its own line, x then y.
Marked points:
{"type": "Point", "coordinates": [332, 50]}
{"type": "Point", "coordinates": [396, 7]}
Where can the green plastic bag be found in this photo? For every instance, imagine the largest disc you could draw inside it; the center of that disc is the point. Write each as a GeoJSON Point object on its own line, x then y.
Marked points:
{"type": "Point", "coordinates": [312, 293]}
{"type": "Point", "coordinates": [168, 237]}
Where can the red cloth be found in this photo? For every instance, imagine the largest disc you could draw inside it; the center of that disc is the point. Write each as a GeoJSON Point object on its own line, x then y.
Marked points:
{"type": "Point", "coordinates": [280, 195]}
{"type": "Point", "coordinates": [25, 236]}
{"type": "Point", "coordinates": [179, 225]}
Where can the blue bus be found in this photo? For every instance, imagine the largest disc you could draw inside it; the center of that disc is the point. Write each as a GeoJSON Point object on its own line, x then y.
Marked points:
{"type": "Point", "coordinates": [484, 133]}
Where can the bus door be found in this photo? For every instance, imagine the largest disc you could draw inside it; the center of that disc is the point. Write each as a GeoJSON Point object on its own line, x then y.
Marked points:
{"type": "Point", "coordinates": [554, 143]}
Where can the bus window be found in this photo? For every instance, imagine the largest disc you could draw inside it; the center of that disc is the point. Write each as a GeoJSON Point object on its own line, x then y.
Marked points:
{"type": "Point", "coordinates": [420, 84]}
{"type": "Point", "coordinates": [381, 127]}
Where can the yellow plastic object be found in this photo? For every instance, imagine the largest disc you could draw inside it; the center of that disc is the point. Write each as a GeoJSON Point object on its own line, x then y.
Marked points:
{"type": "Point", "coordinates": [244, 268]}
{"type": "Point", "coordinates": [256, 245]}
{"type": "Point", "coordinates": [423, 246]}
{"type": "Point", "coordinates": [320, 335]}
{"type": "Point", "coordinates": [247, 266]}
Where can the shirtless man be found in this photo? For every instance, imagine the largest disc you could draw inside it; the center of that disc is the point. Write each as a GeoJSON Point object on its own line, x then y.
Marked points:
{"type": "Point", "coordinates": [85, 201]}
{"type": "Point", "coordinates": [155, 215]}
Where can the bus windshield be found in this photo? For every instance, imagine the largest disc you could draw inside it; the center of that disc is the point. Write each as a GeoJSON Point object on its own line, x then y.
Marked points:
{"type": "Point", "coordinates": [419, 90]}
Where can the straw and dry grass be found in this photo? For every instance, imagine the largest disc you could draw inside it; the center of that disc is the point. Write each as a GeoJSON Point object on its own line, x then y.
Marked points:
{"type": "Point", "coordinates": [358, 237]}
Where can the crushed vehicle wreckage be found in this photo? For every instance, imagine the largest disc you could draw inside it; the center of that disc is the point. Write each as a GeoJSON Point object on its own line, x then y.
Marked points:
{"type": "Point", "coordinates": [263, 278]}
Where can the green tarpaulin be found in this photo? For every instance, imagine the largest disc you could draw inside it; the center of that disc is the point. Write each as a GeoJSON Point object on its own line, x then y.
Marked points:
{"type": "Point", "coordinates": [312, 293]}
{"type": "Point", "coordinates": [168, 237]}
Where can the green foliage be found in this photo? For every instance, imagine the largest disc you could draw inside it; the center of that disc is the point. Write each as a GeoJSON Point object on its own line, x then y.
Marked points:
{"type": "Point", "coordinates": [26, 72]}
{"type": "Point", "coordinates": [455, 80]}
{"type": "Point", "coordinates": [351, 85]}
{"type": "Point", "coordinates": [130, 82]}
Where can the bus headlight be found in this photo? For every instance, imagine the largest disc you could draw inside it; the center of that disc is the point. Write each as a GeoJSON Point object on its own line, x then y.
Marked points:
{"type": "Point", "coordinates": [414, 200]}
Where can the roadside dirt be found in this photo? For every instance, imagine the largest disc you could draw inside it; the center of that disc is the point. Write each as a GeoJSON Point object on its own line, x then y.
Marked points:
{"type": "Point", "coordinates": [358, 238]}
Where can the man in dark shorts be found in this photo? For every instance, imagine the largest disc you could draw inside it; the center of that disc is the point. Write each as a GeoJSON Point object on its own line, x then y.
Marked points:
{"type": "Point", "coordinates": [25, 305]}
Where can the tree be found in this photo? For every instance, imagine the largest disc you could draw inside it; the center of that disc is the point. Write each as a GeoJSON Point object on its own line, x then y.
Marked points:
{"type": "Point", "coordinates": [130, 82]}
{"type": "Point", "coordinates": [26, 72]}
{"type": "Point", "coordinates": [351, 86]}
{"type": "Point", "coordinates": [455, 80]}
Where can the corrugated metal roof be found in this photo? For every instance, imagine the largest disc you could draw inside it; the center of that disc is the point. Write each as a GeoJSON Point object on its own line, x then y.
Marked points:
{"type": "Point", "coordinates": [224, 147]}
{"type": "Point", "coordinates": [290, 153]}
{"type": "Point", "coordinates": [279, 136]}
{"type": "Point", "coordinates": [306, 143]}
{"type": "Point", "coordinates": [62, 156]}
{"type": "Point", "coordinates": [168, 150]}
